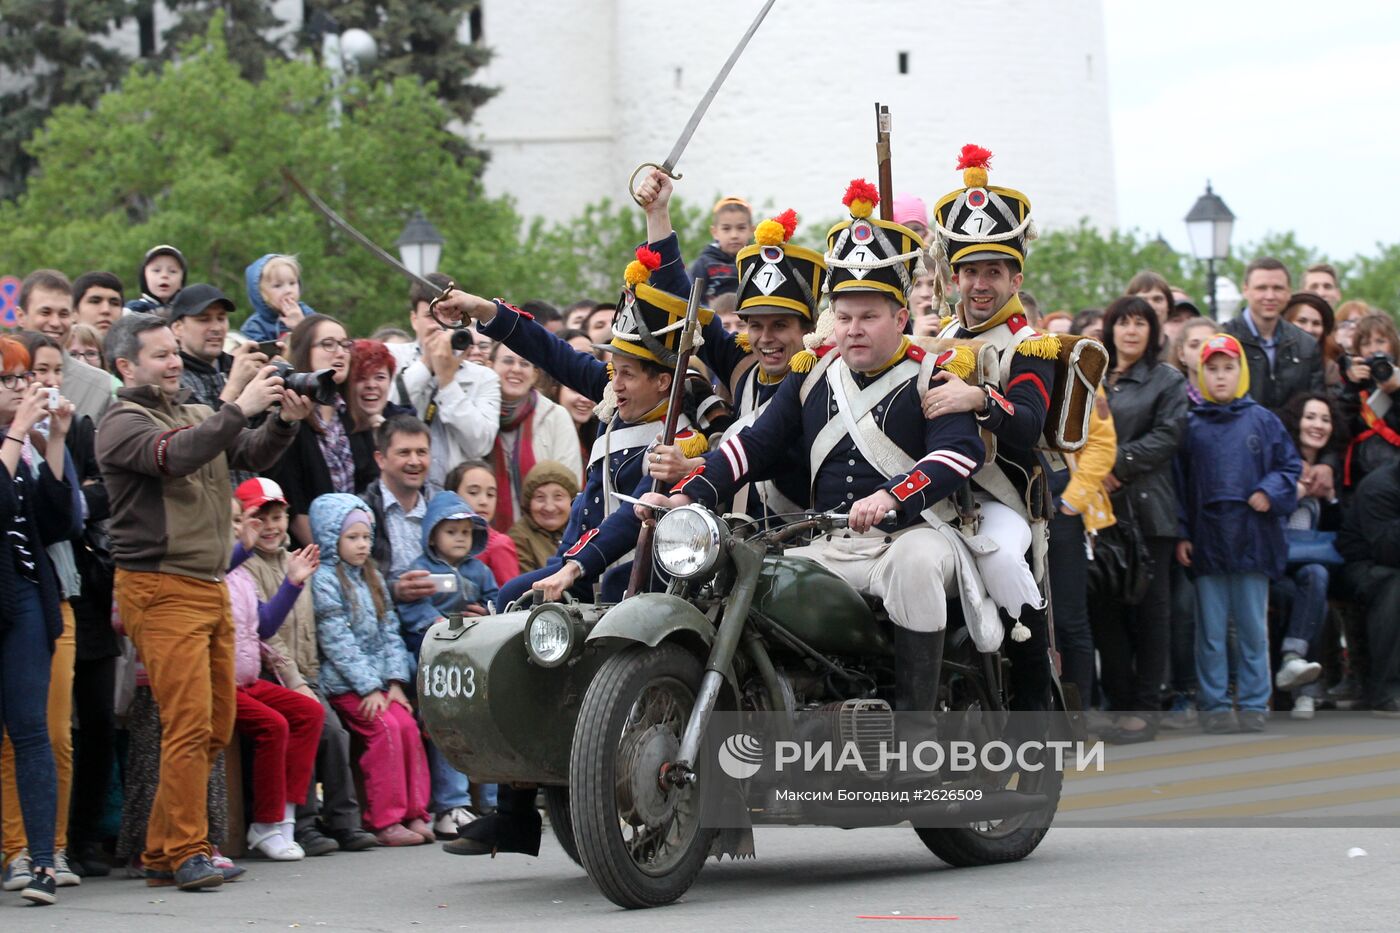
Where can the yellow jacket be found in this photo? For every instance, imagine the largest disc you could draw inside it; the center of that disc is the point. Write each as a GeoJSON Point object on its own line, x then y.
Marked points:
{"type": "Point", "coordinates": [1085, 493]}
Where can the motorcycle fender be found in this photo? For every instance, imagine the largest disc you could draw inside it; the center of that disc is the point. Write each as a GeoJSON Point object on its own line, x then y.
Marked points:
{"type": "Point", "coordinates": [651, 618]}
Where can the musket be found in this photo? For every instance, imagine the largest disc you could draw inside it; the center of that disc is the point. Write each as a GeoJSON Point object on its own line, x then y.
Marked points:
{"type": "Point", "coordinates": [668, 167]}
{"type": "Point", "coordinates": [376, 250]}
{"type": "Point", "coordinates": [685, 348]}
{"type": "Point", "coordinates": [882, 159]}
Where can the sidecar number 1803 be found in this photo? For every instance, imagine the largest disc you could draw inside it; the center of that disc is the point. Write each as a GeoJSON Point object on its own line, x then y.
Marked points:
{"type": "Point", "coordinates": [449, 680]}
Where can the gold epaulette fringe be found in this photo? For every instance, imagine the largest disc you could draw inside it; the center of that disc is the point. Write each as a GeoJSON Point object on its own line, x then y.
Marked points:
{"type": "Point", "coordinates": [1045, 346]}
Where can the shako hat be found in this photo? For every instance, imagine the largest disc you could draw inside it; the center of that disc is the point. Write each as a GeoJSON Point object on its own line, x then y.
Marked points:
{"type": "Point", "coordinates": [776, 276]}
{"type": "Point", "coordinates": [867, 254]}
{"type": "Point", "coordinates": [648, 322]}
{"type": "Point", "coordinates": [982, 221]}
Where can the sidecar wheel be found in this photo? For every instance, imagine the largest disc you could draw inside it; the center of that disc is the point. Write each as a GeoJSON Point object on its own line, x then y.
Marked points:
{"type": "Point", "coordinates": [556, 805]}
{"type": "Point", "coordinates": [642, 845]}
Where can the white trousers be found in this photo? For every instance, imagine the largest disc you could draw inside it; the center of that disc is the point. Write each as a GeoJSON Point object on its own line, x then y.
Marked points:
{"type": "Point", "coordinates": [1004, 572]}
{"type": "Point", "coordinates": [912, 571]}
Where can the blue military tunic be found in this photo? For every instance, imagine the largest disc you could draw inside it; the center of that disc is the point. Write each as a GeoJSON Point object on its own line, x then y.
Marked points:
{"type": "Point", "coordinates": [945, 451]}
{"type": "Point", "coordinates": [599, 534]}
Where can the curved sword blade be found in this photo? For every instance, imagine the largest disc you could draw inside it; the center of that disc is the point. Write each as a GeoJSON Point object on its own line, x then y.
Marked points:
{"type": "Point", "coordinates": [375, 249]}
{"type": "Point", "coordinates": [699, 112]}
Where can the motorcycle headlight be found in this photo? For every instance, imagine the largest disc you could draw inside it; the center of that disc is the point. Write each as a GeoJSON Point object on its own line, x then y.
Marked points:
{"type": "Point", "coordinates": [689, 541]}
{"type": "Point", "coordinates": [550, 635]}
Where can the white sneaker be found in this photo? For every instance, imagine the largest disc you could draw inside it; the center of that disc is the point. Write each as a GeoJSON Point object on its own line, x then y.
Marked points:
{"type": "Point", "coordinates": [450, 823]}
{"type": "Point", "coordinates": [19, 872]}
{"type": "Point", "coordinates": [1303, 707]}
{"type": "Point", "coordinates": [64, 875]}
{"type": "Point", "coordinates": [1295, 672]}
{"type": "Point", "coordinates": [266, 839]}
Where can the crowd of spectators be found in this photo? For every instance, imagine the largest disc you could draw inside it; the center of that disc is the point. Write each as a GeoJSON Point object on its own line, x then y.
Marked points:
{"type": "Point", "coordinates": [196, 549]}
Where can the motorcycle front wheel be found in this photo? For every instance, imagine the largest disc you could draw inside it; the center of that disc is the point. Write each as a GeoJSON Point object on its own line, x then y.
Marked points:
{"type": "Point", "coordinates": [641, 843]}
{"type": "Point", "coordinates": [556, 805]}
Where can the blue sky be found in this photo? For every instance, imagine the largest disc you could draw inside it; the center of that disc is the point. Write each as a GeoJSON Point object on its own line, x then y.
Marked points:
{"type": "Point", "coordinates": [1291, 109]}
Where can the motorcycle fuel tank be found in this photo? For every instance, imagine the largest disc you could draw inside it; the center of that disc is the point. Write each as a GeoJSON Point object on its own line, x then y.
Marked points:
{"type": "Point", "coordinates": [819, 607]}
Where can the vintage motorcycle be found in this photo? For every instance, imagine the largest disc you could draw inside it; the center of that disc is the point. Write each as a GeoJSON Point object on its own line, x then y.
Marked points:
{"type": "Point", "coordinates": [607, 706]}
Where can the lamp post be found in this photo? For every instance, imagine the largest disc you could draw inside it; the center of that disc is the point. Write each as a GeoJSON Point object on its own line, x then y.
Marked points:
{"type": "Point", "coordinates": [420, 245]}
{"type": "Point", "coordinates": [1208, 224]}
{"type": "Point", "coordinates": [343, 52]}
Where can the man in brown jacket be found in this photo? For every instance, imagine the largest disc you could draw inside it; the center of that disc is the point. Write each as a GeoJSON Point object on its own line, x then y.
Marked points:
{"type": "Point", "coordinates": [166, 465]}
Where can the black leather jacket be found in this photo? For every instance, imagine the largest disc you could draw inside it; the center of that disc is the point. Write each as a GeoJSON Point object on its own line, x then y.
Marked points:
{"type": "Point", "coordinates": [1149, 407]}
{"type": "Point", "coordinates": [1297, 363]}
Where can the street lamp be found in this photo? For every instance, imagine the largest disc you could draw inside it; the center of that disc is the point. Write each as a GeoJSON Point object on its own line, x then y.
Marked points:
{"type": "Point", "coordinates": [420, 245]}
{"type": "Point", "coordinates": [1208, 224]}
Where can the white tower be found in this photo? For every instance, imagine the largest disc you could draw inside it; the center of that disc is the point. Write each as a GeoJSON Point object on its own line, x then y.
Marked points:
{"type": "Point", "coordinates": [591, 89]}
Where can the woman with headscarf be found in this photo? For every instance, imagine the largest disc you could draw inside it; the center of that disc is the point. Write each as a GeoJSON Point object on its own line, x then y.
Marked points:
{"type": "Point", "coordinates": [545, 498]}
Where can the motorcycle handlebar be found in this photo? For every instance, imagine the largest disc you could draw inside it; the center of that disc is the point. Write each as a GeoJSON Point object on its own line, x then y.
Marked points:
{"type": "Point", "coordinates": [820, 521]}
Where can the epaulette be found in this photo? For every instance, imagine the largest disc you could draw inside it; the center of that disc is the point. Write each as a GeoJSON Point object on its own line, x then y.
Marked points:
{"type": "Point", "coordinates": [914, 352]}
{"type": "Point", "coordinates": [944, 321]}
{"type": "Point", "coordinates": [742, 339]}
{"type": "Point", "coordinates": [1043, 346]}
{"type": "Point", "coordinates": [959, 360]}
{"type": "Point", "coordinates": [691, 443]}
{"type": "Point", "coordinates": [804, 360]}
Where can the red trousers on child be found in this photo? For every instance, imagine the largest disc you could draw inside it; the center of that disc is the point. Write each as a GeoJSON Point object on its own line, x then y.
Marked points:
{"type": "Point", "coordinates": [285, 727]}
{"type": "Point", "coordinates": [394, 764]}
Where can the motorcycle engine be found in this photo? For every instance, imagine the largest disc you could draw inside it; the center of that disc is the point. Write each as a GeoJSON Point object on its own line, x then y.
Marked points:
{"type": "Point", "coordinates": [866, 724]}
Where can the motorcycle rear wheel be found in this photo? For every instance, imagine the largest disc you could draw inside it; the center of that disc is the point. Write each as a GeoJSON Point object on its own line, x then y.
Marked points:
{"type": "Point", "coordinates": [642, 846]}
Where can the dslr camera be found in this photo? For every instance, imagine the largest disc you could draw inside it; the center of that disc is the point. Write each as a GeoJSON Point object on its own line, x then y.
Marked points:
{"type": "Point", "coordinates": [462, 339]}
{"type": "Point", "coordinates": [1382, 366]}
{"type": "Point", "coordinates": [319, 386]}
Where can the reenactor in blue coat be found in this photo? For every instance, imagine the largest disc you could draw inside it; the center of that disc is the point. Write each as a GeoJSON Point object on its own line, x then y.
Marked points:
{"type": "Point", "coordinates": [632, 391]}
{"type": "Point", "coordinates": [982, 233]}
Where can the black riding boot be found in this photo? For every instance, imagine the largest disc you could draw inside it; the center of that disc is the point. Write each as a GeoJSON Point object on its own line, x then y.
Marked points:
{"type": "Point", "coordinates": [918, 663]}
{"type": "Point", "coordinates": [514, 827]}
{"type": "Point", "coordinates": [1030, 677]}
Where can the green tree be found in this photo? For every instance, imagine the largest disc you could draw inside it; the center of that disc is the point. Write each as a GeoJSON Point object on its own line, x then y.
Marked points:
{"type": "Point", "coordinates": [252, 31]}
{"type": "Point", "coordinates": [162, 160]}
{"type": "Point", "coordinates": [420, 39]}
{"type": "Point", "coordinates": [55, 55]}
{"type": "Point", "coordinates": [1080, 267]}
{"type": "Point", "coordinates": [1375, 279]}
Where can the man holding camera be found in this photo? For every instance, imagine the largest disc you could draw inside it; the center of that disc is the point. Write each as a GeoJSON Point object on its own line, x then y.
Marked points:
{"type": "Point", "coordinates": [199, 321]}
{"type": "Point", "coordinates": [458, 400]}
{"type": "Point", "coordinates": [166, 466]}
{"type": "Point", "coordinates": [1283, 359]}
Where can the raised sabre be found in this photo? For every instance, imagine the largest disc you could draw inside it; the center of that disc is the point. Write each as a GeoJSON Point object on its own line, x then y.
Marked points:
{"type": "Point", "coordinates": [669, 166]}
{"type": "Point", "coordinates": [375, 249]}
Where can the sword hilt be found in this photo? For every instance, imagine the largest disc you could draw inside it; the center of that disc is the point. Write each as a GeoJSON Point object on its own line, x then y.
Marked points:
{"type": "Point", "coordinates": [448, 289]}
{"type": "Point", "coordinates": [632, 182]}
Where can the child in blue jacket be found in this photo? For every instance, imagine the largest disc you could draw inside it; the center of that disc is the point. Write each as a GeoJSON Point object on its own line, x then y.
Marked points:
{"type": "Point", "coordinates": [453, 535]}
{"type": "Point", "coordinates": [1237, 478]}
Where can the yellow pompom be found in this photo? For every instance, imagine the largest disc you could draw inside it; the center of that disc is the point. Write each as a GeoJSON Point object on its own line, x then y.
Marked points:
{"type": "Point", "coordinates": [769, 233]}
{"type": "Point", "coordinates": [803, 361]}
{"type": "Point", "coordinates": [975, 177]}
{"type": "Point", "coordinates": [693, 445]}
{"type": "Point", "coordinates": [742, 339]}
{"type": "Point", "coordinates": [635, 273]}
{"type": "Point", "coordinates": [861, 207]}
{"type": "Point", "coordinates": [1044, 346]}
{"type": "Point", "coordinates": [962, 364]}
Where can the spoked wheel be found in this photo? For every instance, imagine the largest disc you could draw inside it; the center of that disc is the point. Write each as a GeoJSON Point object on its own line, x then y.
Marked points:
{"type": "Point", "coordinates": [991, 841]}
{"type": "Point", "coordinates": [556, 804]}
{"type": "Point", "coordinates": [639, 840]}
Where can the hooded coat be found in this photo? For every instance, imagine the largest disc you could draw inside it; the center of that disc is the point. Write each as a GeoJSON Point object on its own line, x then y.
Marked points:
{"type": "Point", "coordinates": [1228, 452]}
{"type": "Point", "coordinates": [265, 323]}
{"type": "Point", "coordinates": [360, 652]}
{"type": "Point", "coordinates": [475, 584]}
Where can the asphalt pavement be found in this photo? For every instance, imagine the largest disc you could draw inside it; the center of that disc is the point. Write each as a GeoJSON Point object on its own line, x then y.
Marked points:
{"type": "Point", "coordinates": [1082, 879]}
